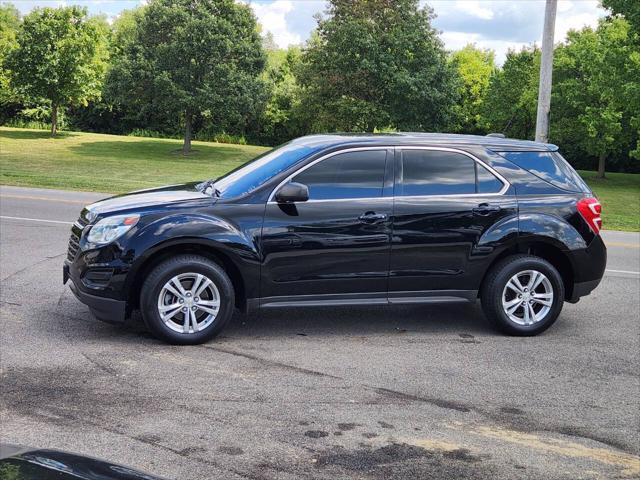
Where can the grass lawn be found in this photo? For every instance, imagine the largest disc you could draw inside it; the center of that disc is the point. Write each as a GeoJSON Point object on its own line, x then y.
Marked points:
{"type": "Point", "coordinates": [111, 163]}
{"type": "Point", "coordinates": [619, 194]}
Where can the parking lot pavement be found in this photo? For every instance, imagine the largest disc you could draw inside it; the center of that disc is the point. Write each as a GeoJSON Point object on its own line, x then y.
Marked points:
{"type": "Point", "coordinates": [402, 392]}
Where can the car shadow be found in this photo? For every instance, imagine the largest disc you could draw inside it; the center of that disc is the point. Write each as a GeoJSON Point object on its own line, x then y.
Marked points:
{"type": "Point", "coordinates": [465, 320]}
{"type": "Point", "coordinates": [359, 321]}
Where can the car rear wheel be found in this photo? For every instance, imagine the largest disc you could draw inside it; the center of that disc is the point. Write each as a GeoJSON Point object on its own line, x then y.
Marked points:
{"type": "Point", "coordinates": [523, 295]}
{"type": "Point", "coordinates": [187, 300]}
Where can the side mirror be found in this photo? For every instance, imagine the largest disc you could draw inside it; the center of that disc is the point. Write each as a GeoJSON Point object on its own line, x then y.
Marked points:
{"type": "Point", "coordinates": [292, 192]}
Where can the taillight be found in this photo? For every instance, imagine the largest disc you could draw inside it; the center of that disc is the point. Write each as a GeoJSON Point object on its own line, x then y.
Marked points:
{"type": "Point", "coordinates": [591, 211]}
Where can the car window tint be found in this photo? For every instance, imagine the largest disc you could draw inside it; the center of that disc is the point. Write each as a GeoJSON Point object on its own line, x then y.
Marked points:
{"type": "Point", "coordinates": [346, 175]}
{"type": "Point", "coordinates": [550, 167]}
{"type": "Point", "coordinates": [432, 172]}
{"type": "Point", "coordinates": [487, 181]}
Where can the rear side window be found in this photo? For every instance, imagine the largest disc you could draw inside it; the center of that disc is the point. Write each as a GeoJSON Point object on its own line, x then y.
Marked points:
{"type": "Point", "coordinates": [487, 181]}
{"type": "Point", "coordinates": [346, 175]}
{"type": "Point", "coordinates": [433, 172]}
{"type": "Point", "coordinates": [549, 166]}
{"type": "Point", "coordinates": [436, 172]}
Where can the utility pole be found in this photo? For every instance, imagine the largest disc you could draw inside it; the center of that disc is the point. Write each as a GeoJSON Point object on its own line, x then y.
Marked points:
{"type": "Point", "coordinates": [546, 69]}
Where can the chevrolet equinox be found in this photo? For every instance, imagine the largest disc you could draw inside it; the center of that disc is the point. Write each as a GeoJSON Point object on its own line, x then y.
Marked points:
{"type": "Point", "coordinates": [347, 220]}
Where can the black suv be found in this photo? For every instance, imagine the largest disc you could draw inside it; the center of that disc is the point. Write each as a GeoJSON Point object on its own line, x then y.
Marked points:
{"type": "Point", "coordinates": [343, 220]}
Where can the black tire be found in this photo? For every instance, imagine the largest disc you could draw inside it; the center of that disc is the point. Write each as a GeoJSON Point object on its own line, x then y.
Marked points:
{"type": "Point", "coordinates": [494, 286]}
{"type": "Point", "coordinates": [165, 271]}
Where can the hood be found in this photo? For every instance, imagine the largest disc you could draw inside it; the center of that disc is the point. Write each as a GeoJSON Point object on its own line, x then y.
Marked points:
{"type": "Point", "coordinates": [148, 198]}
{"type": "Point", "coordinates": [57, 465]}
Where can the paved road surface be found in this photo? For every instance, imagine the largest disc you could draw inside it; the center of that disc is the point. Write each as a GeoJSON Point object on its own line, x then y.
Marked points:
{"type": "Point", "coordinates": [403, 392]}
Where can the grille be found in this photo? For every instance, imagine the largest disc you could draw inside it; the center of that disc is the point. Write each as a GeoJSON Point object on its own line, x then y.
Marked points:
{"type": "Point", "coordinates": [74, 239]}
{"type": "Point", "coordinates": [74, 246]}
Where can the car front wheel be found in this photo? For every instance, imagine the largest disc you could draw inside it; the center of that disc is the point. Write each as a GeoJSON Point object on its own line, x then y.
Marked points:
{"type": "Point", "coordinates": [523, 295]}
{"type": "Point", "coordinates": [187, 300]}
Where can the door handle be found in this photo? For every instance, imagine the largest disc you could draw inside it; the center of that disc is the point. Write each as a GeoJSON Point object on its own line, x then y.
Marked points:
{"type": "Point", "coordinates": [486, 209]}
{"type": "Point", "coordinates": [372, 217]}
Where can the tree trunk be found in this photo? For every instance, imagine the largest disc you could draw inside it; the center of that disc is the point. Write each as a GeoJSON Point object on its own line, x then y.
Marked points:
{"type": "Point", "coordinates": [601, 160]}
{"type": "Point", "coordinates": [54, 119]}
{"type": "Point", "coordinates": [186, 147]}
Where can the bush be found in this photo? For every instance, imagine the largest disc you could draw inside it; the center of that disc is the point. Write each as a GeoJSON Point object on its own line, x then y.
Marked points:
{"type": "Point", "coordinates": [38, 118]}
{"type": "Point", "coordinates": [207, 136]}
{"type": "Point", "coordinates": [145, 132]}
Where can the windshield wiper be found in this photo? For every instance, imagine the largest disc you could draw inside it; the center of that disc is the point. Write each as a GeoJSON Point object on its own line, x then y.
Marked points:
{"type": "Point", "coordinates": [209, 184]}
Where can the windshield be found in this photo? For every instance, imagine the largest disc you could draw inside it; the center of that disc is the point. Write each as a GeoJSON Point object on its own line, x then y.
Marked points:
{"type": "Point", "coordinates": [257, 171]}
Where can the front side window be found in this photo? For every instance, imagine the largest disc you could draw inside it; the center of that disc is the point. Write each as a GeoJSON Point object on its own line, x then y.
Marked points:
{"type": "Point", "coordinates": [346, 175]}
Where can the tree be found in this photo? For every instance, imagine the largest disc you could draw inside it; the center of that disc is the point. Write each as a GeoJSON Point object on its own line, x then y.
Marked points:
{"type": "Point", "coordinates": [9, 24]}
{"type": "Point", "coordinates": [629, 9]}
{"type": "Point", "coordinates": [376, 64]}
{"type": "Point", "coordinates": [595, 80]}
{"type": "Point", "coordinates": [475, 67]}
{"type": "Point", "coordinates": [281, 119]}
{"type": "Point", "coordinates": [510, 103]}
{"type": "Point", "coordinates": [101, 114]}
{"type": "Point", "coordinates": [60, 57]}
{"type": "Point", "coordinates": [192, 59]}
{"type": "Point", "coordinates": [269, 42]}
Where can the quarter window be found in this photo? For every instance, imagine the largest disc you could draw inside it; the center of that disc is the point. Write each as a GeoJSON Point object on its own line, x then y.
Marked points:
{"type": "Point", "coordinates": [549, 166]}
{"type": "Point", "coordinates": [346, 175]}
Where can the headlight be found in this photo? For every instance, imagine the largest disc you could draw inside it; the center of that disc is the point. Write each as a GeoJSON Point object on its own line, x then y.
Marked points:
{"type": "Point", "coordinates": [110, 228]}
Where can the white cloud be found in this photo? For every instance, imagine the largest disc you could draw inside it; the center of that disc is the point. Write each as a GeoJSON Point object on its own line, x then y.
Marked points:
{"type": "Point", "coordinates": [502, 25]}
{"type": "Point", "coordinates": [575, 16]}
{"type": "Point", "coordinates": [273, 19]}
{"type": "Point", "coordinates": [474, 7]}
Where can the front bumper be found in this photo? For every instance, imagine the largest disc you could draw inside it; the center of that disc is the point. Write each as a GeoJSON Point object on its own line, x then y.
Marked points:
{"type": "Point", "coordinates": [106, 309]}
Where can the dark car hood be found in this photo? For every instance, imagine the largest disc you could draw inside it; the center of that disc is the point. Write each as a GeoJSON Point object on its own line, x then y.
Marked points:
{"type": "Point", "coordinates": [148, 198]}
{"type": "Point", "coordinates": [24, 462]}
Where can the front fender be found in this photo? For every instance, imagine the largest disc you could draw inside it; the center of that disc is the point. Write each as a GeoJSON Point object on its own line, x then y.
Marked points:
{"type": "Point", "coordinates": [199, 228]}
{"type": "Point", "coordinates": [216, 234]}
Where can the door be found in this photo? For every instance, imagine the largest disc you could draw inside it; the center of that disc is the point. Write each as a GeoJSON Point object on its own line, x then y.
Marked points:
{"type": "Point", "coordinates": [334, 247]}
{"type": "Point", "coordinates": [445, 201]}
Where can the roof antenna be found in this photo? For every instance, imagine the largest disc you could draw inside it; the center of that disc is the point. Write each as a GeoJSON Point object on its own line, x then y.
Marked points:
{"type": "Point", "coordinates": [497, 135]}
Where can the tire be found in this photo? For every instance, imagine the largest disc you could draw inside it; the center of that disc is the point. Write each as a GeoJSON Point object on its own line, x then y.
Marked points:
{"type": "Point", "coordinates": [504, 308]}
{"type": "Point", "coordinates": [163, 283]}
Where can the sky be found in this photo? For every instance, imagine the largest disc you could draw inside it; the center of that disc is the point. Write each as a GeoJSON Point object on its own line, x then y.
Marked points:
{"type": "Point", "coordinates": [495, 24]}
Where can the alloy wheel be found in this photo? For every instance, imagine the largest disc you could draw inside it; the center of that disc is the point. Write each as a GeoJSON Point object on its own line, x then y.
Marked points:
{"type": "Point", "coordinates": [527, 297]}
{"type": "Point", "coordinates": [189, 303]}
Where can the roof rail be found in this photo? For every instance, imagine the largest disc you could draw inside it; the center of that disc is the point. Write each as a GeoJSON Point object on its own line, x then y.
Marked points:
{"type": "Point", "coordinates": [497, 135]}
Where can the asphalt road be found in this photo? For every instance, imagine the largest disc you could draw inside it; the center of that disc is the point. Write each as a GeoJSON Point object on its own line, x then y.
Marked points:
{"type": "Point", "coordinates": [403, 392]}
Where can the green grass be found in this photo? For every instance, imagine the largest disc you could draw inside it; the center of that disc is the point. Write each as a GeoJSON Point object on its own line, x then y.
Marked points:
{"type": "Point", "coordinates": [116, 164]}
{"type": "Point", "coordinates": [109, 163]}
{"type": "Point", "coordinates": [619, 194]}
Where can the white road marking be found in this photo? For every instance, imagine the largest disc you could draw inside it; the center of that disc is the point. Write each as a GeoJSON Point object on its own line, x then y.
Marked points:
{"type": "Point", "coordinates": [40, 220]}
{"type": "Point", "coordinates": [48, 199]}
{"type": "Point", "coordinates": [622, 271]}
